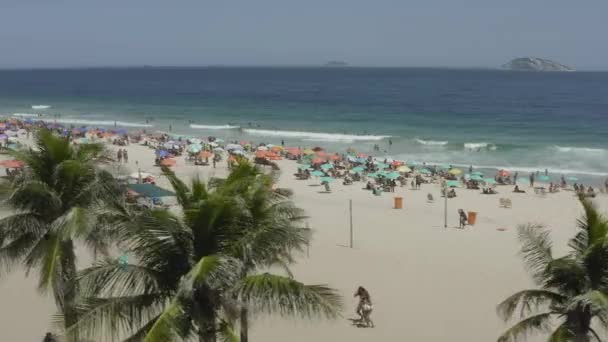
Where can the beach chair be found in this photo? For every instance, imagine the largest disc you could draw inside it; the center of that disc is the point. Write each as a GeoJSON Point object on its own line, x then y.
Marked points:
{"type": "Point", "coordinates": [505, 203]}
{"type": "Point", "coordinates": [429, 198]}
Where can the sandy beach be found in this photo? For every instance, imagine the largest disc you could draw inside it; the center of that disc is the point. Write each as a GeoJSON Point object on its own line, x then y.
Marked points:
{"type": "Point", "coordinates": [428, 283]}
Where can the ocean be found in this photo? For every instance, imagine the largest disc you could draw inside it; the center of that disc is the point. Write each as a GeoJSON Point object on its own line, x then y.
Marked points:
{"type": "Point", "coordinates": [485, 118]}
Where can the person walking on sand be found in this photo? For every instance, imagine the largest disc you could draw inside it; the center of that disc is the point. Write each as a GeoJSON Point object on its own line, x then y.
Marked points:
{"type": "Point", "coordinates": [364, 307]}
{"type": "Point", "coordinates": [125, 156]}
{"type": "Point", "coordinates": [119, 155]}
{"type": "Point", "coordinates": [532, 180]}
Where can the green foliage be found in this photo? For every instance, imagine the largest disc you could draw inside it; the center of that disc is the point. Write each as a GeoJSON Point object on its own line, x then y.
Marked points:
{"type": "Point", "coordinates": [573, 289]}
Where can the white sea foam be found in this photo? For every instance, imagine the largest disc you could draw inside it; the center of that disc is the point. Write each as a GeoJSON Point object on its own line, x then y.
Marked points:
{"type": "Point", "coordinates": [579, 149]}
{"type": "Point", "coordinates": [102, 123]}
{"type": "Point", "coordinates": [213, 126]}
{"type": "Point", "coordinates": [26, 115]}
{"type": "Point", "coordinates": [479, 145]}
{"type": "Point", "coordinates": [41, 107]}
{"type": "Point", "coordinates": [316, 136]}
{"type": "Point", "coordinates": [431, 142]}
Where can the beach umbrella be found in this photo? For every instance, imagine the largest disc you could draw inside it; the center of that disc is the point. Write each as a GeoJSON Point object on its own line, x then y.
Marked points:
{"type": "Point", "coordinates": [477, 173]}
{"type": "Point", "coordinates": [476, 178]}
{"type": "Point", "coordinates": [411, 163]}
{"type": "Point", "coordinates": [305, 167]}
{"type": "Point", "coordinates": [335, 157]}
{"type": "Point", "coordinates": [262, 148]}
{"type": "Point", "coordinates": [572, 178]}
{"type": "Point", "coordinates": [318, 173]}
{"type": "Point", "coordinates": [382, 166]}
{"type": "Point", "coordinates": [308, 151]}
{"type": "Point", "coordinates": [12, 164]}
{"type": "Point", "coordinates": [326, 179]}
{"type": "Point", "coordinates": [358, 169]}
{"type": "Point", "coordinates": [404, 169]}
{"type": "Point", "coordinates": [205, 154]}
{"type": "Point", "coordinates": [168, 162]}
{"type": "Point", "coordinates": [238, 152]}
{"type": "Point", "coordinates": [424, 171]}
{"type": "Point", "coordinates": [361, 155]}
{"type": "Point", "coordinates": [3, 136]}
{"type": "Point", "coordinates": [293, 151]}
{"type": "Point", "coordinates": [455, 171]}
{"type": "Point", "coordinates": [503, 173]}
{"type": "Point", "coordinates": [163, 153]}
{"type": "Point", "coordinates": [393, 175]}
{"type": "Point", "coordinates": [195, 148]}
{"type": "Point", "coordinates": [261, 154]}
{"type": "Point", "coordinates": [231, 147]}
{"type": "Point", "coordinates": [396, 163]}
{"type": "Point", "coordinates": [327, 166]}
{"type": "Point", "coordinates": [218, 149]}
{"type": "Point", "coordinates": [276, 149]}
{"type": "Point", "coordinates": [489, 180]}
{"type": "Point", "coordinates": [196, 141]}
{"type": "Point", "coordinates": [317, 149]}
{"type": "Point", "coordinates": [544, 178]}
{"type": "Point", "coordinates": [452, 184]}
{"type": "Point", "coordinates": [317, 161]}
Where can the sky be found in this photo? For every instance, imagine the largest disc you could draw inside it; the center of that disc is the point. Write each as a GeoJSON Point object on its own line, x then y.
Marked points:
{"type": "Point", "coordinates": [410, 33]}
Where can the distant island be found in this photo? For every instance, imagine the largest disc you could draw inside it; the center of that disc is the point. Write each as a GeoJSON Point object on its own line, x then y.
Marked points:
{"type": "Point", "coordinates": [535, 64]}
{"type": "Point", "coordinates": [336, 64]}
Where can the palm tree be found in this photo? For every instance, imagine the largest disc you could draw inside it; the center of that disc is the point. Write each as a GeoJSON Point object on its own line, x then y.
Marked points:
{"type": "Point", "coordinates": [184, 283]}
{"type": "Point", "coordinates": [573, 289]}
{"type": "Point", "coordinates": [52, 201]}
{"type": "Point", "coordinates": [271, 231]}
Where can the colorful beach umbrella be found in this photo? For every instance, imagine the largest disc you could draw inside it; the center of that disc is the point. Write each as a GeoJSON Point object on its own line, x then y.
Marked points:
{"type": "Point", "coordinates": [455, 171]}
{"type": "Point", "coordinates": [404, 169]}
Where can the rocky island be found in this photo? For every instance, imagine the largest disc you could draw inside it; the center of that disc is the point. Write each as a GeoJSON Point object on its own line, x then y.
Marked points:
{"type": "Point", "coordinates": [535, 64]}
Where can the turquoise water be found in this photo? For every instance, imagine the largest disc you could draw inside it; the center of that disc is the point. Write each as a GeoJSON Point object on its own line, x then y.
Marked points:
{"type": "Point", "coordinates": [523, 121]}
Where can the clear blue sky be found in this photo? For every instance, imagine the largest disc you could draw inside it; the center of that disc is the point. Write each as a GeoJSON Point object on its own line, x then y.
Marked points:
{"type": "Point", "coordinates": [454, 33]}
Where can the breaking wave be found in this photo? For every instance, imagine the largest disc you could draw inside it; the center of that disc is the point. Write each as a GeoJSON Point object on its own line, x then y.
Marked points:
{"type": "Point", "coordinates": [213, 126]}
{"type": "Point", "coordinates": [316, 136]}
{"type": "Point", "coordinates": [431, 142]}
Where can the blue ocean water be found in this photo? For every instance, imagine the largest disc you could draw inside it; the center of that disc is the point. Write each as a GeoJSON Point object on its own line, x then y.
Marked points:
{"type": "Point", "coordinates": [487, 118]}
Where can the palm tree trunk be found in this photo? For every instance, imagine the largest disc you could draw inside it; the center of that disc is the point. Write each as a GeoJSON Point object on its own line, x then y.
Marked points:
{"type": "Point", "coordinates": [69, 288]}
{"type": "Point", "coordinates": [581, 338]}
{"type": "Point", "coordinates": [206, 327]}
{"type": "Point", "coordinates": [244, 325]}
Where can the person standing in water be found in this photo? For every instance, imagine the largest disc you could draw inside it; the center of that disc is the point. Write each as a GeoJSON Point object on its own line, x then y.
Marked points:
{"type": "Point", "coordinates": [531, 179]}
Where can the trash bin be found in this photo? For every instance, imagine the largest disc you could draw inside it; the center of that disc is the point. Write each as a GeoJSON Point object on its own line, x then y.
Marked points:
{"type": "Point", "coordinates": [398, 202]}
{"type": "Point", "coordinates": [472, 218]}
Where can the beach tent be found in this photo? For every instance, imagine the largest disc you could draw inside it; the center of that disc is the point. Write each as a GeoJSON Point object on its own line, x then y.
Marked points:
{"type": "Point", "coordinates": [150, 190]}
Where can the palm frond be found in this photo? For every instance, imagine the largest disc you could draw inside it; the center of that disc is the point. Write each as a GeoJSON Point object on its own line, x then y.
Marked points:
{"type": "Point", "coordinates": [285, 296]}
{"type": "Point", "coordinates": [527, 301]}
{"type": "Point", "coordinates": [561, 334]}
{"type": "Point", "coordinates": [168, 326]}
{"type": "Point", "coordinates": [536, 249]}
{"type": "Point", "coordinates": [524, 328]}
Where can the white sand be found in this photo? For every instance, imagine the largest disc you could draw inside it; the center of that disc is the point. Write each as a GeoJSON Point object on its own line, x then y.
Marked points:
{"type": "Point", "coordinates": [427, 283]}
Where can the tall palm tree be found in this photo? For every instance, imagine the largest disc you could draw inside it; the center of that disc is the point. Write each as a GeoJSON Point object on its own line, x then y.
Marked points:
{"type": "Point", "coordinates": [184, 281]}
{"type": "Point", "coordinates": [573, 289]}
{"type": "Point", "coordinates": [271, 230]}
{"type": "Point", "coordinates": [52, 203]}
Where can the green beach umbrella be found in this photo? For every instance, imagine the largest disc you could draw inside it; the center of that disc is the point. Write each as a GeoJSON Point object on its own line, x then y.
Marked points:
{"type": "Point", "coordinates": [477, 173]}
{"type": "Point", "coordinates": [358, 169]}
{"type": "Point", "coordinates": [452, 184]}
{"type": "Point", "coordinates": [382, 166]}
{"type": "Point", "coordinates": [318, 173]}
{"type": "Point", "coordinates": [393, 175]}
{"type": "Point", "coordinates": [544, 178]}
{"type": "Point", "coordinates": [327, 179]}
{"type": "Point", "coordinates": [305, 167]}
{"type": "Point", "coordinates": [476, 177]}
{"type": "Point", "coordinates": [327, 166]}
{"type": "Point", "coordinates": [489, 180]}
{"type": "Point", "coordinates": [424, 171]}
{"type": "Point", "coordinates": [411, 163]}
